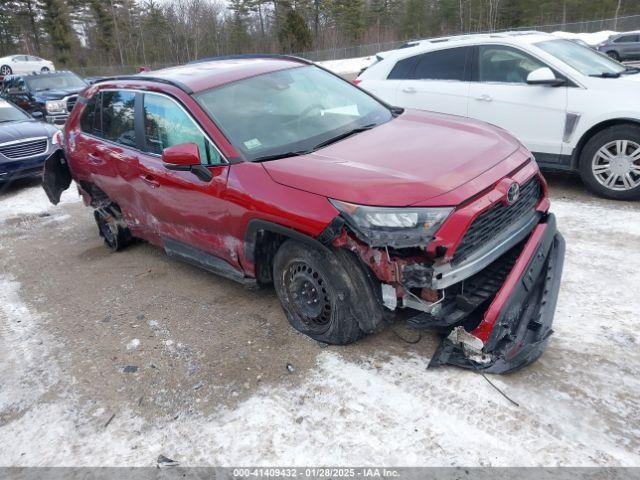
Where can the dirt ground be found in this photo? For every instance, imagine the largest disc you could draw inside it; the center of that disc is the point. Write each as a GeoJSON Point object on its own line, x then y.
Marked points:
{"type": "Point", "coordinates": [114, 358]}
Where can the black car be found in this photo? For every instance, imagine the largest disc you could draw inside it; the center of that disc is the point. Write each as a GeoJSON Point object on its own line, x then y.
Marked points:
{"type": "Point", "coordinates": [25, 143]}
{"type": "Point", "coordinates": [52, 94]}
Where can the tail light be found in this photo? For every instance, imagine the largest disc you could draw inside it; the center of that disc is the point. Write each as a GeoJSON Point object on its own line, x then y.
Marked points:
{"type": "Point", "coordinates": [356, 81]}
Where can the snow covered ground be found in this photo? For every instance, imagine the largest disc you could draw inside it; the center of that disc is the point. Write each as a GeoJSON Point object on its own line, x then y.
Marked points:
{"type": "Point", "coordinates": [578, 405]}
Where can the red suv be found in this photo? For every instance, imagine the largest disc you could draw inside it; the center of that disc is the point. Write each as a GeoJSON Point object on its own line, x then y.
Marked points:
{"type": "Point", "coordinates": [272, 170]}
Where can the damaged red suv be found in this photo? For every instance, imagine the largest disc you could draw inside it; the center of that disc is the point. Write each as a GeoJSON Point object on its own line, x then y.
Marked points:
{"type": "Point", "coordinates": [272, 170]}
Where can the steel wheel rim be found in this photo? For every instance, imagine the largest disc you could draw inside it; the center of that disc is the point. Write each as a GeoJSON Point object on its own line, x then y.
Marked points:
{"type": "Point", "coordinates": [308, 296]}
{"type": "Point", "coordinates": [616, 165]}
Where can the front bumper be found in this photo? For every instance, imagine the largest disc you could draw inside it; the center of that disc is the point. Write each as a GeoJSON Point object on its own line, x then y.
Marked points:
{"type": "Point", "coordinates": [515, 329]}
{"type": "Point", "coordinates": [16, 169]}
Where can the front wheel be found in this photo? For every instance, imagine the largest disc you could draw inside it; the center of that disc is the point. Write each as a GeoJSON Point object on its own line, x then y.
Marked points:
{"type": "Point", "coordinates": [327, 295]}
{"type": "Point", "coordinates": [610, 163]}
{"type": "Point", "coordinates": [614, 55]}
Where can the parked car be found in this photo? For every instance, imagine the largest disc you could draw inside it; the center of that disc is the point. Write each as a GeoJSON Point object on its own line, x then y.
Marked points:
{"type": "Point", "coordinates": [14, 64]}
{"type": "Point", "coordinates": [52, 94]}
{"type": "Point", "coordinates": [624, 46]}
{"type": "Point", "coordinates": [269, 169]}
{"type": "Point", "coordinates": [573, 107]}
{"type": "Point", "coordinates": [25, 143]}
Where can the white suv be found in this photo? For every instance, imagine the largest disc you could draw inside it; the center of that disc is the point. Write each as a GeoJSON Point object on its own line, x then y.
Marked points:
{"type": "Point", "coordinates": [574, 108]}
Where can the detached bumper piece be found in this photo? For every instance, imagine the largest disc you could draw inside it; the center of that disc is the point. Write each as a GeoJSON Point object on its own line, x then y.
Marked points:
{"type": "Point", "coordinates": [515, 329]}
{"type": "Point", "coordinates": [56, 176]}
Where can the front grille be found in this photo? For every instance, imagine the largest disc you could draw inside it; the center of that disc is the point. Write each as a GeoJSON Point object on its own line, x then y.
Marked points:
{"type": "Point", "coordinates": [71, 101]}
{"type": "Point", "coordinates": [29, 148]}
{"type": "Point", "coordinates": [497, 219]}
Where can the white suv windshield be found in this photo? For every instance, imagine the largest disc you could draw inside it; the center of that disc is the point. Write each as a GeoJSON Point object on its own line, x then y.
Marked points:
{"type": "Point", "coordinates": [290, 112]}
{"type": "Point", "coordinates": [583, 59]}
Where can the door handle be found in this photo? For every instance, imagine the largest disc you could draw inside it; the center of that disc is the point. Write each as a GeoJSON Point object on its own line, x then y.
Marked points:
{"type": "Point", "coordinates": [409, 90]}
{"type": "Point", "coordinates": [484, 98]}
{"type": "Point", "coordinates": [149, 180]}
{"type": "Point", "coordinates": [94, 159]}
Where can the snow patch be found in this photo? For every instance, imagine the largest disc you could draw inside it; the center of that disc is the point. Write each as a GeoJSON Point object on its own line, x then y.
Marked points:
{"type": "Point", "coordinates": [32, 200]}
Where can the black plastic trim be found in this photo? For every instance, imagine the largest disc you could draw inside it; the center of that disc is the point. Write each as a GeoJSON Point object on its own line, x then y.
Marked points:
{"type": "Point", "coordinates": [256, 225]}
{"type": "Point", "coordinates": [147, 78]}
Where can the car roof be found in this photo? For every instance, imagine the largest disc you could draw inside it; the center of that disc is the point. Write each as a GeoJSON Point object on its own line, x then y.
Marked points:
{"type": "Point", "coordinates": [211, 72]}
{"type": "Point", "coordinates": [511, 37]}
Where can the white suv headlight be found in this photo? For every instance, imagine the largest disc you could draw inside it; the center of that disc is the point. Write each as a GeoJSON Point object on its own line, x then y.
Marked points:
{"type": "Point", "coordinates": [393, 226]}
{"type": "Point", "coordinates": [55, 106]}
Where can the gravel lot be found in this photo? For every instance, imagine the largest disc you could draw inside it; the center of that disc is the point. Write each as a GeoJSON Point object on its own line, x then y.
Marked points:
{"type": "Point", "coordinates": [116, 358]}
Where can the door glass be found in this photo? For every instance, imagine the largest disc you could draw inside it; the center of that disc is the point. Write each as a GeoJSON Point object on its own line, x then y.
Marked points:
{"type": "Point", "coordinates": [446, 64]}
{"type": "Point", "coordinates": [166, 124]}
{"type": "Point", "coordinates": [627, 39]}
{"type": "Point", "coordinates": [90, 113]}
{"type": "Point", "coordinates": [505, 65]}
{"type": "Point", "coordinates": [118, 117]}
{"type": "Point", "coordinates": [403, 69]}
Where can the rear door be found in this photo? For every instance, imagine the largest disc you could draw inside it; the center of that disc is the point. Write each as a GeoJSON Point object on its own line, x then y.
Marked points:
{"type": "Point", "coordinates": [179, 206]}
{"type": "Point", "coordinates": [534, 114]}
{"type": "Point", "coordinates": [437, 81]}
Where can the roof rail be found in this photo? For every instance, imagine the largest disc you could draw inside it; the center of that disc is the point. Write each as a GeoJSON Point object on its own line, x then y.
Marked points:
{"type": "Point", "coordinates": [276, 56]}
{"type": "Point", "coordinates": [147, 78]}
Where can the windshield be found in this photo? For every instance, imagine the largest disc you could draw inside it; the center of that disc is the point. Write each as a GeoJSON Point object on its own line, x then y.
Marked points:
{"type": "Point", "coordinates": [9, 113]}
{"type": "Point", "coordinates": [290, 111]}
{"type": "Point", "coordinates": [55, 82]}
{"type": "Point", "coordinates": [584, 59]}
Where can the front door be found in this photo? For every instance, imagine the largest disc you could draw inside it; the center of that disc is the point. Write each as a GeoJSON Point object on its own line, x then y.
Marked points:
{"type": "Point", "coordinates": [534, 114]}
{"type": "Point", "coordinates": [179, 206]}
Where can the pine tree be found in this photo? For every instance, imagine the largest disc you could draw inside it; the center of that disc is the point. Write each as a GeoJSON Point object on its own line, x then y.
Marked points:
{"type": "Point", "coordinates": [294, 34]}
{"type": "Point", "coordinates": [58, 27]}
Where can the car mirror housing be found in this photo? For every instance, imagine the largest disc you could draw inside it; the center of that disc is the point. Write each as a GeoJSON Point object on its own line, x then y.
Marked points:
{"type": "Point", "coordinates": [37, 115]}
{"type": "Point", "coordinates": [543, 76]}
{"type": "Point", "coordinates": [185, 157]}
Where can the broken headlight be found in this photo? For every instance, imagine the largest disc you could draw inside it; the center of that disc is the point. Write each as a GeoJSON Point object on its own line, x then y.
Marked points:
{"type": "Point", "coordinates": [393, 226]}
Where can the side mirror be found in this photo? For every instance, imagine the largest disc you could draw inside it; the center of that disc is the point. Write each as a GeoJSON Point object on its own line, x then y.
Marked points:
{"type": "Point", "coordinates": [185, 157]}
{"type": "Point", "coordinates": [37, 115]}
{"type": "Point", "coordinates": [544, 76]}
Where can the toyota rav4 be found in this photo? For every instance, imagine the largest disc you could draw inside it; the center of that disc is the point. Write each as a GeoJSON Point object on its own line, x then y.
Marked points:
{"type": "Point", "coordinates": [272, 170]}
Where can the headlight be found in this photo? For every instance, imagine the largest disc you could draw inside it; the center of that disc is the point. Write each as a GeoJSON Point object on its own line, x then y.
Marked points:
{"type": "Point", "coordinates": [394, 227]}
{"type": "Point", "coordinates": [56, 138]}
{"type": "Point", "coordinates": [54, 106]}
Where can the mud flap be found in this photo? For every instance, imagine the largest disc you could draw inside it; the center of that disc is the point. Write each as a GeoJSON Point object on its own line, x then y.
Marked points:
{"type": "Point", "coordinates": [522, 330]}
{"type": "Point", "coordinates": [56, 177]}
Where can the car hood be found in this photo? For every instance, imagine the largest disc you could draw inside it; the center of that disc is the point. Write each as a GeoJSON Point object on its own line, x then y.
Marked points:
{"type": "Point", "coordinates": [27, 129]}
{"type": "Point", "coordinates": [410, 159]}
{"type": "Point", "coordinates": [57, 94]}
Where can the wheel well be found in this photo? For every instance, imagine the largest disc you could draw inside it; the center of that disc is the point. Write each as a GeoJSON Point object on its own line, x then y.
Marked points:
{"type": "Point", "coordinates": [596, 129]}
{"type": "Point", "coordinates": [98, 197]}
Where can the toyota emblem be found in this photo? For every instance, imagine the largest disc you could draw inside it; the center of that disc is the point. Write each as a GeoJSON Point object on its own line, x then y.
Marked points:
{"type": "Point", "coordinates": [513, 193]}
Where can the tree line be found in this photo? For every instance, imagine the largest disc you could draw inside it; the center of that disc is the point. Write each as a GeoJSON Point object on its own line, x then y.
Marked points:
{"type": "Point", "coordinates": [78, 33]}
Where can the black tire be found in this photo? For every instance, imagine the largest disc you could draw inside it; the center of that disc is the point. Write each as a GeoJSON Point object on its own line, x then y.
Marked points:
{"type": "Point", "coordinates": [594, 144]}
{"type": "Point", "coordinates": [613, 54]}
{"type": "Point", "coordinates": [327, 295]}
{"type": "Point", "coordinates": [44, 69]}
{"type": "Point", "coordinates": [111, 229]}
{"type": "Point", "coordinates": [5, 70]}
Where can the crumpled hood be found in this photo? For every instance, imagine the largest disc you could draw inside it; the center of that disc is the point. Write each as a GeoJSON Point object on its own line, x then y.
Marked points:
{"type": "Point", "coordinates": [19, 130]}
{"type": "Point", "coordinates": [410, 159]}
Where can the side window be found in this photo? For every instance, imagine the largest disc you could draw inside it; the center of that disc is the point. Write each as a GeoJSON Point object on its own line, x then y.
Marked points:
{"type": "Point", "coordinates": [403, 69]}
{"type": "Point", "coordinates": [505, 65]}
{"type": "Point", "coordinates": [449, 64]}
{"type": "Point", "coordinates": [118, 124]}
{"type": "Point", "coordinates": [166, 124]}
{"type": "Point", "coordinates": [626, 39]}
{"type": "Point", "coordinates": [90, 119]}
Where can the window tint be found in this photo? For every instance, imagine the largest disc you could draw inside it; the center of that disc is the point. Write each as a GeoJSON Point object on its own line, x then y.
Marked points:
{"type": "Point", "coordinates": [403, 69]}
{"type": "Point", "coordinates": [90, 113]}
{"type": "Point", "coordinates": [626, 39]}
{"type": "Point", "coordinates": [505, 65]}
{"type": "Point", "coordinates": [118, 117]}
{"type": "Point", "coordinates": [166, 124]}
{"type": "Point", "coordinates": [446, 64]}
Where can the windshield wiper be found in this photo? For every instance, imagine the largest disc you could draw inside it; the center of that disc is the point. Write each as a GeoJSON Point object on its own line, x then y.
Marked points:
{"type": "Point", "coordinates": [630, 70]}
{"type": "Point", "coordinates": [606, 75]}
{"type": "Point", "coordinates": [276, 156]}
{"type": "Point", "coordinates": [346, 134]}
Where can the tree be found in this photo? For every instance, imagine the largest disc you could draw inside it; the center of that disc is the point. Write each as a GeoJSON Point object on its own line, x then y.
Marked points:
{"type": "Point", "coordinates": [294, 34]}
{"type": "Point", "coordinates": [58, 27]}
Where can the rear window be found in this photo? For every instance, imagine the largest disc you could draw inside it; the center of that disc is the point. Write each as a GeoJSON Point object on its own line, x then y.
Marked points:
{"type": "Point", "coordinates": [447, 64]}
{"type": "Point", "coordinates": [403, 69]}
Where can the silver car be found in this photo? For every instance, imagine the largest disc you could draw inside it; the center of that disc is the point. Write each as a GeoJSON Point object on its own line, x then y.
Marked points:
{"type": "Point", "coordinates": [624, 46]}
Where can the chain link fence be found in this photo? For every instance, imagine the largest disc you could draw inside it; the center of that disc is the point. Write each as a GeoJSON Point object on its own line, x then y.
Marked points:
{"type": "Point", "coordinates": [620, 24]}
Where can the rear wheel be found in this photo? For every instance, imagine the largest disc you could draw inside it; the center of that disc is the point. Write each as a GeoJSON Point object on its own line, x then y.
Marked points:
{"type": "Point", "coordinates": [5, 70]}
{"type": "Point", "coordinates": [613, 54]}
{"type": "Point", "coordinates": [610, 163]}
{"type": "Point", "coordinates": [112, 228]}
{"type": "Point", "coordinates": [44, 69]}
{"type": "Point", "coordinates": [326, 295]}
